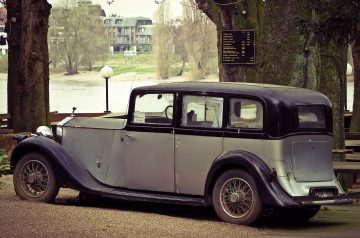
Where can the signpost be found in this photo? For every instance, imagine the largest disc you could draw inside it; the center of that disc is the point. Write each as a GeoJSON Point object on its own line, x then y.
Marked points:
{"type": "Point", "coordinates": [130, 53]}
{"type": "Point", "coordinates": [238, 47]}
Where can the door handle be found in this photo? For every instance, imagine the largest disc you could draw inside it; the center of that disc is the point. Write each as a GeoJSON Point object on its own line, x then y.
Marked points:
{"type": "Point", "coordinates": [130, 136]}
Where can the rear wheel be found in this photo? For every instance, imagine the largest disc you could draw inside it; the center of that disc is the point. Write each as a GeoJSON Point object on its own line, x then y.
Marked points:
{"type": "Point", "coordinates": [34, 179]}
{"type": "Point", "coordinates": [236, 199]}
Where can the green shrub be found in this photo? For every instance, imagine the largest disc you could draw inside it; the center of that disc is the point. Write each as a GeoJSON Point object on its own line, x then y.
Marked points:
{"type": "Point", "coordinates": [3, 63]}
{"type": "Point", "coordinates": [4, 164]}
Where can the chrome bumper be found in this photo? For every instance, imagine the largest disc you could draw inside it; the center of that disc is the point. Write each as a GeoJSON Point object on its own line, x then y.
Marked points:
{"type": "Point", "coordinates": [328, 201]}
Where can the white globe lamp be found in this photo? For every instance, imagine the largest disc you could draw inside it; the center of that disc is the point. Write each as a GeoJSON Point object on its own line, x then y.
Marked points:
{"type": "Point", "coordinates": [106, 72]}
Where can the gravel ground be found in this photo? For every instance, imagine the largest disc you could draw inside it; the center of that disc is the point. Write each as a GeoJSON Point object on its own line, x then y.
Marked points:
{"type": "Point", "coordinates": [107, 218]}
{"type": "Point", "coordinates": [68, 218]}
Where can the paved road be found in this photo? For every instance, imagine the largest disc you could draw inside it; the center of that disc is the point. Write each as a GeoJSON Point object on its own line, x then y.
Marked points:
{"type": "Point", "coordinates": [68, 218]}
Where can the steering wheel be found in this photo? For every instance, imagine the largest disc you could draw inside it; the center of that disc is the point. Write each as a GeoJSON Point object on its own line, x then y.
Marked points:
{"type": "Point", "coordinates": [169, 112]}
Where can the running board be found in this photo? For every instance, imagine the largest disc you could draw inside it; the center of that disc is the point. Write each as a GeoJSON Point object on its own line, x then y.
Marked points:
{"type": "Point", "coordinates": [152, 197]}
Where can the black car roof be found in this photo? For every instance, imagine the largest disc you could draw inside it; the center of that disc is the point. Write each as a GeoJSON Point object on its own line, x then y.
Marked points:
{"type": "Point", "coordinates": [286, 94]}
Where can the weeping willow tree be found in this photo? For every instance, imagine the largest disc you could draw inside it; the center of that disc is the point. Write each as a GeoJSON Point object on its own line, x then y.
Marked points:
{"type": "Point", "coordinates": [162, 40]}
{"type": "Point", "coordinates": [77, 35]}
{"type": "Point", "coordinates": [199, 37]}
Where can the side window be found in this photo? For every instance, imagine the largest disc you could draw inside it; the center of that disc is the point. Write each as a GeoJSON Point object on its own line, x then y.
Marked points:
{"type": "Point", "coordinates": [202, 111]}
{"type": "Point", "coordinates": [245, 114]}
{"type": "Point", "coordinates": [154, 108]}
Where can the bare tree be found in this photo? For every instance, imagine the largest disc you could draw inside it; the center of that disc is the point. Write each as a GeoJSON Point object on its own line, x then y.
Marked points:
{"type": "Point", "coordinates": [77, 35]}
{"type": "Point", "coordinates": [163, 46]}
{"type": "Point", "coordinates": [95, 45]}
{"type": "Point", "coordinates": [55, 38]}
{"type": "Point", "coordinates": [179, 44]}
{"type": "Point", "coordinates": [199, 36]}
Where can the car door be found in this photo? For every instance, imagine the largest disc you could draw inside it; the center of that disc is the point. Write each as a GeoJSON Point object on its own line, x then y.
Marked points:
{"type": "Point", "coordinates": [149, 143]}
{"type": "Point", "coordinates": [198, 141]}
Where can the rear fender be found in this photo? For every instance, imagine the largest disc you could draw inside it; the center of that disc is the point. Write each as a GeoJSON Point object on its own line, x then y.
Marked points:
{"type": "Point", "coordinates": [69, 172]}
{"type": "Point", "coordinates": [269, 189]}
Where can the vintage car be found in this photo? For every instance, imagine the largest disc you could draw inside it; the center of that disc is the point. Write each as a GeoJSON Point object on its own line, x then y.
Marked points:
{"type": "Point", "coordinates": [241, 148]}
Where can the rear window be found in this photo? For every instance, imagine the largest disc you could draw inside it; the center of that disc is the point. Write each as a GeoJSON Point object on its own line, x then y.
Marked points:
{"type": "Point", "coordinates": [311, 117]}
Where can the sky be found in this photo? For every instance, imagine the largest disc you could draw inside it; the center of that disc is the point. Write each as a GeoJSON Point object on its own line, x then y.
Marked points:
{"type": "Point", "coordinates": [145, 8]}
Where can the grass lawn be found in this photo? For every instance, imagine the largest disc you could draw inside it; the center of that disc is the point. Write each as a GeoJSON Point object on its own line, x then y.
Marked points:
{"type": "Point", "coordinates": [141, 64]}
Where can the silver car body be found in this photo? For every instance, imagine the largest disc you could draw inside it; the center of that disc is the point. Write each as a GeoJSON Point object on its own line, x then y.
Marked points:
{"type": "Point", "coordinates": [177, 139]}
{"type": "Point", "coordinates": [179, 163]}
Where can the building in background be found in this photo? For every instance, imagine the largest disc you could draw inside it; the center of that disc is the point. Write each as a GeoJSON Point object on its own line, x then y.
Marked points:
{"type": "Point", "coordinates": [126, 32]}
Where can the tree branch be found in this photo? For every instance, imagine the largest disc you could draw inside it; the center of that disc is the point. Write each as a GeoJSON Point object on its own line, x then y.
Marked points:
{"type": "Point", "coordinates": [208, 7]}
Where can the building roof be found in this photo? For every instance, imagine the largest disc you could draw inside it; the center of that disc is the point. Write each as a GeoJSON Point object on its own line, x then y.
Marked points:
{"type": "Point", "coordinates": [113, 21]}
{"type": "Point", "coordinates": [126, 21]}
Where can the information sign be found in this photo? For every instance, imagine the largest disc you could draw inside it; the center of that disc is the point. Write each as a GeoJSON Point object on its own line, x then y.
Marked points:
{"type": "Point", "coordinates": [238, 47]}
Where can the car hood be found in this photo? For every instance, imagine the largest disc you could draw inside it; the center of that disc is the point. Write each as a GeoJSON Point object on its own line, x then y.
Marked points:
{"type": "Point", "coordinates": [96, 123]}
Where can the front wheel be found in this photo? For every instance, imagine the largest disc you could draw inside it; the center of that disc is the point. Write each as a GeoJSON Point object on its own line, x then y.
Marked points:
{"type": "Point", "coordinates": [34, 179]}
{"type": "Point", "coordinates": [236, 199]}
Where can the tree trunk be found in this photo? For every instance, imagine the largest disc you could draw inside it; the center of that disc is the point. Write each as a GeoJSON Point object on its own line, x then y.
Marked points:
{"type": "Point", "coordinates": [355, 120]}
{"type": "Point", "coordinates": [286, 57]}
{"type": "Point", "coordinates": [28, 73]}
{"type": "Point", "coordinates": [243, 15]}
{"type": "Point", "coordinates": [332, 84]}
{"type": "Point", "coordinates": [283, 56]}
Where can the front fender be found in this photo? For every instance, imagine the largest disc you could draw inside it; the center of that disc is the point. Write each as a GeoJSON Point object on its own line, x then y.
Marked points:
{"type": "Point", "coordinates": [269, 189]}
{"type": "Point", "coordinates": [69, 172]}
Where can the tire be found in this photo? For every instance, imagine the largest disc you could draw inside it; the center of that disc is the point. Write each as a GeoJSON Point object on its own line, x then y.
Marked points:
{"type": "Point", "coordinates": [34, 179]}
{"type": "Point", "coordinates": [298, 214]}
{"type": "Point", "coordinates": [241, 206]}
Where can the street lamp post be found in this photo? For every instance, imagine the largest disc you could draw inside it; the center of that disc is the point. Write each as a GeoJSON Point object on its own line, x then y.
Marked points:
{"type": "Point", "coordinates": [106, 72]}
{"type": "Point", "coordinates": [348, 72]}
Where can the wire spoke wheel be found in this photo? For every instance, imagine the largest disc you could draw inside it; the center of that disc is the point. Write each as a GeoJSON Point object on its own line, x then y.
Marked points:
{"type": "Point", "coordinates": [236, 197]}
{"type": "Point", "coordinates": [34, 178]}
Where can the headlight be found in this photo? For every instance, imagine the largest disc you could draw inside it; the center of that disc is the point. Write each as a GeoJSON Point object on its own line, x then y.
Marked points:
{"type": "Point", "coordinates": [59, 131]}
{"type": "Point", "coordinates": [44, 131]}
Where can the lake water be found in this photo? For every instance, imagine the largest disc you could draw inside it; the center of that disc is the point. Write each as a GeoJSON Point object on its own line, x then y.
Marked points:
{"type": "Point", "coordinates": [89, 96]}
{"type": "Point", "coordinates": [86, 96]}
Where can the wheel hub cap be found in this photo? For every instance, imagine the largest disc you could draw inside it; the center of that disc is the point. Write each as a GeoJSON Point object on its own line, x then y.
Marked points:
{"type": "Point", "coordinates": [234, 197]}
{"type": "Point", "coordinates": [34, 178]}
{"type": "Point", "coordinates": [31, 179]}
